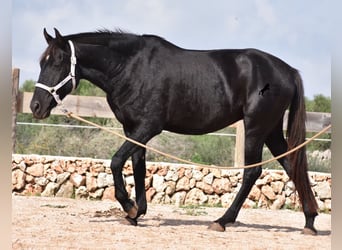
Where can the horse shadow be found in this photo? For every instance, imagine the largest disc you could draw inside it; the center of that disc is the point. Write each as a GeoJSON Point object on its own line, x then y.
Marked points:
{"type": "Point", "coordinates": [237, 226]}
{"type": "Point", "coordinates": [241, 226]}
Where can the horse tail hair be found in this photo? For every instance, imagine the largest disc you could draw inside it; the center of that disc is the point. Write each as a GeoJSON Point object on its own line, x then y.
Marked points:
{"type": "Point", "coordinates": [296, 132]}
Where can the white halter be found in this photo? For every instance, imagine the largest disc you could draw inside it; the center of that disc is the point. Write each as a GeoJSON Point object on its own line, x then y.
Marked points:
{"type": "Point", "coordinates": [53, 90]}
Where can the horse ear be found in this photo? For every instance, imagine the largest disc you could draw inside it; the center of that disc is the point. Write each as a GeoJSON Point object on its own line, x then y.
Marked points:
{"type": "Point", "coordinates": [59, 38]}
{"type": "Point", "coordinates": [48, 38]}
{"type": "Point", "coordinates": [57, 34]}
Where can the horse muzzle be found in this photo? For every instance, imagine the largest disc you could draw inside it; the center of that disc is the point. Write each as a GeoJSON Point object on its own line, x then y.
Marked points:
{"type": "Point", "coordinates": [37, 110]}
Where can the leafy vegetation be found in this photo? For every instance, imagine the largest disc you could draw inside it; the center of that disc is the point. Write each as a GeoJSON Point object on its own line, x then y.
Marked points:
{"type": "Point", "coordinates": [85, 142]}
{"type": "Point", "coordinates": [320, 103]}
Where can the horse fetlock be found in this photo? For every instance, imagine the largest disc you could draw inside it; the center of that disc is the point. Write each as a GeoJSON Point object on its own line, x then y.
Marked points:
{"type": "Point", "coordinates": [132, 212]}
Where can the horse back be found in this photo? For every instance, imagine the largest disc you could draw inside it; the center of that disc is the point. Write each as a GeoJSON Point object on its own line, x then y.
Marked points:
{"type": "Point", "coordinates": [196, 92]}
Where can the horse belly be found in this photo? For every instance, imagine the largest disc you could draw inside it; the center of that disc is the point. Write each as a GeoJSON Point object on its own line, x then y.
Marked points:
{"type": "Point", "coordinates": [201, 121]}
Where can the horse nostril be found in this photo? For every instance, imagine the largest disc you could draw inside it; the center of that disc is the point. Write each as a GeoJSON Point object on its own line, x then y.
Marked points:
{"type": "Point", "coordinates": [35, 107]}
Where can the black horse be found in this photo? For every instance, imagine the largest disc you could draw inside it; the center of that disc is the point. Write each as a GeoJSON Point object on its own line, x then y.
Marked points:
{"type": "Point", "coordinates": [153, 85]}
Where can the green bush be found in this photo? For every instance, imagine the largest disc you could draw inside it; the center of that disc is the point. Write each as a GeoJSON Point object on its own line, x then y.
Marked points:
{"type": "Point", "coordinates": [209, 149]}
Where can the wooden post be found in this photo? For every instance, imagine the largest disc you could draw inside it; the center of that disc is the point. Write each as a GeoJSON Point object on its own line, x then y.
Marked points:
{"type": "Point", "coordinates": [15, 96]}
{"type": "Point", "coordinates": [240, 144]}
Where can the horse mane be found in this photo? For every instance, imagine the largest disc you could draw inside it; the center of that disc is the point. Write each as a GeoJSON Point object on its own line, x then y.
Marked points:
{"type": "Point", "coordinates": [116, 31]}
{"type": "Point", "coordinates": [101, 36]}
{"type": "Point", "coordinates": [106, 37]}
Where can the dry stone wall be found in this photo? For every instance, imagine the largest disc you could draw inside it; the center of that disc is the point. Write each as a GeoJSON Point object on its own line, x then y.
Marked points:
{"type": "Point", "coordinates": [84, 178]}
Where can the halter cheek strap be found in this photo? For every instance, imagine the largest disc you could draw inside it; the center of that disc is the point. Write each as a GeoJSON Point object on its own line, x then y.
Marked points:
{"type": "Point", "coordinates": [53, 90]}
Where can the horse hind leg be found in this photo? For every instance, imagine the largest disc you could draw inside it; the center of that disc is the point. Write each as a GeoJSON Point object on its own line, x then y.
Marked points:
{"type": "Point", "coordinates": [278, 145]}
{"type": "Point", "coordinates": [253, 154]}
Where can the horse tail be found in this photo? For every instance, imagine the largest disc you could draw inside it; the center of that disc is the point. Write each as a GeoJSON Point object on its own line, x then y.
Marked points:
{"type": "Point", "coordinates": [296, 132]}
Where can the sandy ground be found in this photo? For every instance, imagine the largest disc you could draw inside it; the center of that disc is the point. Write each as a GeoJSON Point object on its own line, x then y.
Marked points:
{"type": "Point", "coordinates": [59, 223]}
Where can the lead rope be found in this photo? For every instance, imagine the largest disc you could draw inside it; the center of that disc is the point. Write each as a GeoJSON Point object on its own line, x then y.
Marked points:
{"type": "Point", "coordinates": [70, 114]}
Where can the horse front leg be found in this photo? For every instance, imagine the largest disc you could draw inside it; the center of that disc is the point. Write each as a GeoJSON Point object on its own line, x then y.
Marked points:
{"type": "Point", "coordinates": [118, 160]}
{"type": "Point", "coordinates": [117, 163]}
{"type": "Point", "coordinates": [139, 169]}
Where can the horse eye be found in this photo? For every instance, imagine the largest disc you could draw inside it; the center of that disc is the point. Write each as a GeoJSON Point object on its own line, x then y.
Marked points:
{"type": "Point", "coordinates": [47, 57]}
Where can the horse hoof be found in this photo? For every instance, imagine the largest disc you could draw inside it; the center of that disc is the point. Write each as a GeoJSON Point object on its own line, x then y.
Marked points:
{"type": "Point", "coordinates": [129, 221]}
{"type": "Point", "coordinates": [216, 227]}
{"type": "Point", "coordinates": [309, 231]}
{"type": "Point", "coordinates": [133, 212]}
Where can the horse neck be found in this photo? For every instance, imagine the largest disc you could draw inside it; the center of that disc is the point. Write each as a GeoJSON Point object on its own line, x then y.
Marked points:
{"type": "Point", "coordinates": [95, 62]}
{"type": "Point", "coordinates": [102, 62]}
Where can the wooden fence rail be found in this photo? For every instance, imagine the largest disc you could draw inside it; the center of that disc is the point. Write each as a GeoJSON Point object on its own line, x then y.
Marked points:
{"type": "Point", "coordinates": [95, 106]}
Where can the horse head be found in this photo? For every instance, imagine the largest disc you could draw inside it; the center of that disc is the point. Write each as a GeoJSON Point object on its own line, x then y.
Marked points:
{"type": "Point", "coordinates": [58, 75]}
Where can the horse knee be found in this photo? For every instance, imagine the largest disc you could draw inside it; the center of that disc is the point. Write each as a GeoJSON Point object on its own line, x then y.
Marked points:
{"type": "Point", "coordinates": [120, 191]}
{"type": "Point", "coordinates": [137, 159]}
{"type": "Point", "coordinates": [116, 164]}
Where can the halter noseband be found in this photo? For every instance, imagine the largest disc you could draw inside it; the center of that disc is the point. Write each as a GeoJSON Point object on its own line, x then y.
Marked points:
{"type": "Point", "coordinates": [53, 90]}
